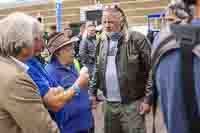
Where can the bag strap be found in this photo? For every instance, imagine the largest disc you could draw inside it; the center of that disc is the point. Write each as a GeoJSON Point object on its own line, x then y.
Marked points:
{"type": "Point", "coordinates": [189, 95]}
{"type": "Point", "coordinates": [162, 43]}
{"type": "Point", "coordinates": [188, 37]}
{"type": "Point", "coordinates": [155, 91]}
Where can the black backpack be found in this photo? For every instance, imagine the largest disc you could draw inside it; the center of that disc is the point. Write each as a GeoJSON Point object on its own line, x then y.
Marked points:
{"type": "Point", "coordinates": [187, 39]}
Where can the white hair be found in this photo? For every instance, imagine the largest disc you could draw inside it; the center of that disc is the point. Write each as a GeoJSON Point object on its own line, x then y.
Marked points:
{"type": "Point", "coordinates": [18, 31]}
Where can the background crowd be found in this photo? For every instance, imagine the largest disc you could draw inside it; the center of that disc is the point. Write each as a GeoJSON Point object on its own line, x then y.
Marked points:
{"type": "Point", "coordinates": [54, 84]}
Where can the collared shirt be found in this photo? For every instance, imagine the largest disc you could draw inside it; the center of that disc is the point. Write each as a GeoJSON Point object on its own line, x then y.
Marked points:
{"type": "Point", "coordinates": [40, 76]}
{"type": "Point", "coordinates": [44, 81]}
{"type": "Point", "coordinates": [21, 64]}
{"type": "Point", "coordinates": [77, 113]}
{"type": "Point", "coordinates": [169, 85]}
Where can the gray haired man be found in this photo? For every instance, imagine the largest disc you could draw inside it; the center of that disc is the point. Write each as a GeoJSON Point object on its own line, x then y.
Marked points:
{"type": "Point", "coordinates": [122, 70]}
{"type": "Point", "coordinates": [21, 107]}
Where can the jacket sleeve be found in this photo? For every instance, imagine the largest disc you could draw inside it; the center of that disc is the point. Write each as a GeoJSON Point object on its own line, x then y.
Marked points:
{"type": "Point", "coordinates": [149, 89]}
{"type": "Point", "coordinates": [144, 47]}
{"type": "Point", "coordinates": [83, 51]}
{"type": "Point", "coordinates": [95, 79]}
{"type": "Point", "coordinates": [26, 107]}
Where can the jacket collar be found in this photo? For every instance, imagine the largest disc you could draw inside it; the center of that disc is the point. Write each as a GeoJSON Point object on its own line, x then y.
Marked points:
{"type": "Point", "coordinates": [14, 62]}
{"type": "Point", "coordinates": [106, 38]}
{"type": "Point", "coordinates": [20, 64]}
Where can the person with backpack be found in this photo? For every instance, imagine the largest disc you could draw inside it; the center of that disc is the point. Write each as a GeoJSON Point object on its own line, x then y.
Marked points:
{"type": "Point", "coordinates": [175, 71]}
{"type": "Point", "coordinates": [123, 62]}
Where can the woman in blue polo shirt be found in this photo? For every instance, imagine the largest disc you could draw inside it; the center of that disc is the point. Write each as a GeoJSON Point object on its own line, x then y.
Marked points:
{"type": "Point", "coordinates": [78, 116]}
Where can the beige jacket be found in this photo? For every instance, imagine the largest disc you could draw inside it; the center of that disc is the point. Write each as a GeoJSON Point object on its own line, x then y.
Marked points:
{"type": "Point", "coordinates": [21, 107]}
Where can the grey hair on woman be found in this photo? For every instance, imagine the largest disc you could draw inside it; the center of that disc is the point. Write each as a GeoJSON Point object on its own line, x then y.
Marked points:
{"type": "Point", "coordinates": [18, 31]}
{"type": "Point", "coordinates": [180, 11]}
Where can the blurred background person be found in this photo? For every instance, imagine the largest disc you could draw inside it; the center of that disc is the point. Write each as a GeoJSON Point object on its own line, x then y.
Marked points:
{"type": "Point", "coordinates": [79, 36]}
{"type": "Point", "coordinates": [68, 30]}
{"type": "Point", "coordinates": [82, 30]}
{"type": "Point", "coordinates": [87, 49]}
{"type": "Point", "coordinates": [52, 29]}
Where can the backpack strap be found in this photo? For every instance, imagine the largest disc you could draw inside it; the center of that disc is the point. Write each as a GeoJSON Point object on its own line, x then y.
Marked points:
{"type": "Point", "coordinates": [188, 36]}
{"type": "Point", "coordinates": [167, 39]}
{"type": "Point", "coordinates": [156, 55]}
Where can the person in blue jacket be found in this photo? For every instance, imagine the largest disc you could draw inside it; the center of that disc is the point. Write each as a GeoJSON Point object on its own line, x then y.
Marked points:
{"type": "Point", "coordinates": [78, 115]}
{"type": "Point", "coordinates": [49, 88]}
{"type": "Point", "coordinates": [168, 76]}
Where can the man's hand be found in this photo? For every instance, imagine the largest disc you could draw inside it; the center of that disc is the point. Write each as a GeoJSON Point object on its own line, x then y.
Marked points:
{"type": "Point", "coordinates": [83, 79]}
{"type": "Point", "coordinates": [53, 100]}
{"type": "Point", "coordinates": [93, 102]}
{"type": "Point", "coordinates": [144, 108]}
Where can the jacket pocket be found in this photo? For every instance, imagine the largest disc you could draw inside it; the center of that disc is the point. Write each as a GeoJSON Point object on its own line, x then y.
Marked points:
{"type": "Point", "coordinates": [133, 67]}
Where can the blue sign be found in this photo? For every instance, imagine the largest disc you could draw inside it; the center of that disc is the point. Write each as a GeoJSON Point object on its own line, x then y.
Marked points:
{"type": "Point", "coordinates": [154, 21]}
{"type": "Point", "coordinates": [58, 1]}
{"type": "Point", "coordinates": [59, 15]}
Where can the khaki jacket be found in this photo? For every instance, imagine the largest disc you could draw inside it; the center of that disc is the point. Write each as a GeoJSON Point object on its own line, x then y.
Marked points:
{"type": "Point", "coordinates": [21, 107]}
{"type": "Point", "coordinates": [132, 62]}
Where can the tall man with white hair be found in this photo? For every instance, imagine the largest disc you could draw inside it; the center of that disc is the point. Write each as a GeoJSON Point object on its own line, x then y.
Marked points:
{"type": "Point", "coordinates": [122, 70]}
{"type": "Point", "coordinates": [21, 107]}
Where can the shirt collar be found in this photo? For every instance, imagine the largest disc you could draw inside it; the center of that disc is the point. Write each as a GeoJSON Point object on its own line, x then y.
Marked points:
{"type": "Point", "coordinates": [21, 64]}
{"type": "Point", "coordinates": [57, 64]}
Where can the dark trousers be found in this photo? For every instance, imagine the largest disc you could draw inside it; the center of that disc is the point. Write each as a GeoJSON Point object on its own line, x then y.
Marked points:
{"type": "Point", "coordinates": [91, 130]}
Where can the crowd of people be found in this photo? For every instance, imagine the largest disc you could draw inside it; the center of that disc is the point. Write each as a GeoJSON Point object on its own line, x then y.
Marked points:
{"type": "Point", "coordinates": [58, 94]}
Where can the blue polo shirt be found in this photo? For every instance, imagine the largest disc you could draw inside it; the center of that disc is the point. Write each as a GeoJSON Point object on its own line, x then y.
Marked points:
{"type": "Point", "coordinates": [44, 81]}
{"type": "Point", "coordinates": [78, 115]}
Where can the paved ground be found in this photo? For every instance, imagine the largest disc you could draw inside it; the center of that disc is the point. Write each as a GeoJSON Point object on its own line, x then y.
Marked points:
{"type": "Point", "coordinates": [98, 115]}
